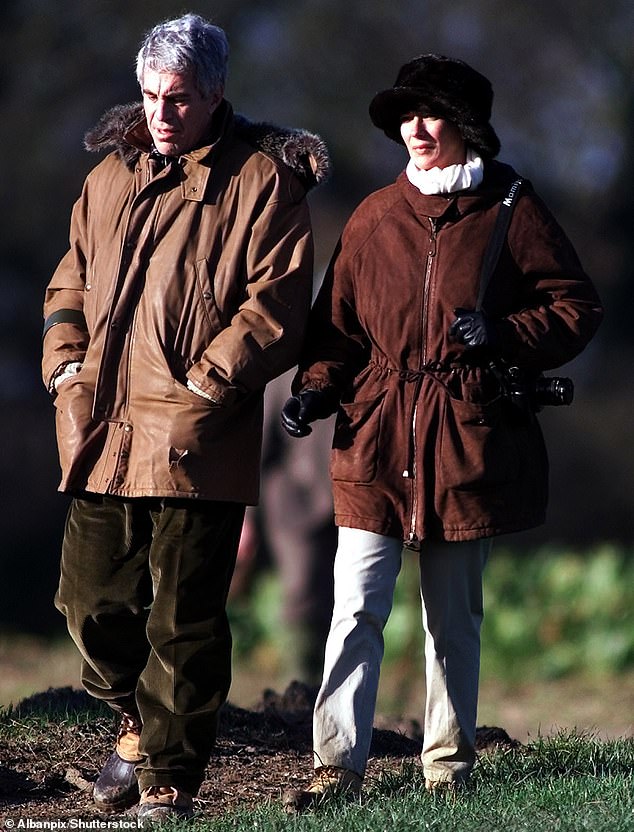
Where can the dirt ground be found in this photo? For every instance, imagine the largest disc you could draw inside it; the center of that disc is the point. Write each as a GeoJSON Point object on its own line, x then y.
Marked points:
{"type": "Point", "coordinates": [525, 709]}
{"type": "Point", "coordinates": [264, 742]}
{"type": "Point", "coordinates": [48, 774]}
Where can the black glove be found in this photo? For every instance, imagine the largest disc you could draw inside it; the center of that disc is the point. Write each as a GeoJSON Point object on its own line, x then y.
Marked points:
{"type": "Point", "coordinates": [473, 329]}
{"type": "Point", "coordinates": [305, 407]}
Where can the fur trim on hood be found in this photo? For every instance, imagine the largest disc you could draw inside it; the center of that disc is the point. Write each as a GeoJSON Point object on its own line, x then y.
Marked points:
{"type": "Point", "coordinates": [304, 153]}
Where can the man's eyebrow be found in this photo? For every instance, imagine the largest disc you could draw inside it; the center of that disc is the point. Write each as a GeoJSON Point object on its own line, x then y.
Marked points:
{"type": "Point", "coordinates": [168, 94]}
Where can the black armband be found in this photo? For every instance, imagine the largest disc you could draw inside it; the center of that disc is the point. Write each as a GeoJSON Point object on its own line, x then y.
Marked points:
{"type": "Point", "coordinates": [65, 316]}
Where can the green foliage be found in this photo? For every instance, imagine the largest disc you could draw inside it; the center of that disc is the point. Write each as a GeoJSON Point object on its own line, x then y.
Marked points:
{"type": "Point", "coordinates": [255, 619]}
{"type": "Point", "coordinates": [552, 613]}
{"type": "Point", "coordinates": [549, 614]}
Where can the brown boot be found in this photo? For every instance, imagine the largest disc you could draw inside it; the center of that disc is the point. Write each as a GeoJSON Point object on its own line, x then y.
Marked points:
{"type": "Point", "coordinates": [159, 803]}
{"type": "Point", "coordinates": [327, 782]}
{"type": "Point", "coordinates": [116, 787]}
{"type": "Point", "coordinates": [449, 788]}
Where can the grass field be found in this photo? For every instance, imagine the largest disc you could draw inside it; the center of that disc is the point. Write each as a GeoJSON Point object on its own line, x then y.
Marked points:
{"type": "Point", "coordinates": [567, 783]}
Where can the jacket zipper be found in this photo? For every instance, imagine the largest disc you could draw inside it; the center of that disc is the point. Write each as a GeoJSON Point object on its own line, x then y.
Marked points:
{"type": "Point", "coordinates": [410, 471]}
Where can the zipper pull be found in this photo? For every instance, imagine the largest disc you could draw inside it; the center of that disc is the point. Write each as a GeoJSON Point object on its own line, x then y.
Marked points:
{"type": "Point", "coordinates": [432, 238]}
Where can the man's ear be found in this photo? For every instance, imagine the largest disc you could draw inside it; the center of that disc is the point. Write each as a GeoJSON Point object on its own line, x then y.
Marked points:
{"type": "Point", "coordinates": [215, 98]}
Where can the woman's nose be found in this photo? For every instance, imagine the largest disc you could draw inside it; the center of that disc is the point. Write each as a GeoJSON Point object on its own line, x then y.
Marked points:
{"type": "Point", "coordinates": [418, 126]}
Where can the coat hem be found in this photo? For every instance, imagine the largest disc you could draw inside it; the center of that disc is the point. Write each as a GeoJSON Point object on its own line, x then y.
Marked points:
{"type": "Point", "coordinates": [130, 494]}
{"type": "Point", "coordinates": [449, 534]}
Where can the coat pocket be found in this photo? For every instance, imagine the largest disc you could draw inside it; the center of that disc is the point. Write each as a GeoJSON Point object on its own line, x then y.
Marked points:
{"type": "Point", "coordinates": [80, 440]}
{"type": "Point", "coordinates": [478, 448]}
{"type": "Point", "coordinates": [207, 296]}
{"type": "Point", "coordinates": [492, 469]}
{"type": "Point", "coordinates": [356, 441]}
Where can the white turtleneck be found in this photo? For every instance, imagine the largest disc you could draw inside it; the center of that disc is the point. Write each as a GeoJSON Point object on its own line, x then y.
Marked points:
{"type": "Point", "coordinates": [448, 180]}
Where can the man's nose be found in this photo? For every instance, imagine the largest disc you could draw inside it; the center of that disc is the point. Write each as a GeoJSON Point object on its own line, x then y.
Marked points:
{"type": "Point", "coordinates": [162, 110]}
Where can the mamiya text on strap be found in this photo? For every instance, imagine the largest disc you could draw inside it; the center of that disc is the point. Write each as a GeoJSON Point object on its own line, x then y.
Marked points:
{"type": "Point", "coordinates": [494, 247]}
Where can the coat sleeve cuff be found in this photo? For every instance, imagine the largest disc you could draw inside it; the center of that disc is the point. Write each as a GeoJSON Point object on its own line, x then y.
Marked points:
{"type": "Point", "coordinates": [191, 386]}
{"type": "Point", "coordinates": [211, 389]}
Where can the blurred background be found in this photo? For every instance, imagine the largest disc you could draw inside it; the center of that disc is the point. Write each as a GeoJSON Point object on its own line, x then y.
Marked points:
{"type": "Point", "coordinates": [560, 597]}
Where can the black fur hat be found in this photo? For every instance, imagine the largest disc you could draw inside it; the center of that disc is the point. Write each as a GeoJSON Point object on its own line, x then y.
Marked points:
{"type": "Point", "coordinates": [442, 87]}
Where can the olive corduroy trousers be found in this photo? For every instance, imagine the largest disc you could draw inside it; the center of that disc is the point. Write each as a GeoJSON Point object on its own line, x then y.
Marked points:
{"type": "Point", "coordinates": [143, 586]}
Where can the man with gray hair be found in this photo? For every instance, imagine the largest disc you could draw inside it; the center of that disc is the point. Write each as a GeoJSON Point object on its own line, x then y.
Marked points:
{"type": "Point", "coordinates": [185, 290]}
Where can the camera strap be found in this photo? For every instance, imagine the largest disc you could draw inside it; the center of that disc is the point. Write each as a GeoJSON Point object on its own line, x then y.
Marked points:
{"type": "Point", "coordinates": [494, 248]}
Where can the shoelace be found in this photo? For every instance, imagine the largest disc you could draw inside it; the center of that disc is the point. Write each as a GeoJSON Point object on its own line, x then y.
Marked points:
{"type": "Point", "coordinates": [130, 724]}
{"type": "Point", "coordinates": [161, 794]}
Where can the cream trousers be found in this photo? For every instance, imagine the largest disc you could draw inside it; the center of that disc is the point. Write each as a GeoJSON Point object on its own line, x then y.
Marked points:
{"type": "Point", "coordinates": [366, 568]}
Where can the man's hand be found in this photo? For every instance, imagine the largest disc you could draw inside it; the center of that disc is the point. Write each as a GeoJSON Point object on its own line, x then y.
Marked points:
{"type": "Point", "coordinates": [306, 407]}
{"type": "Point", "coordinates": [473, 329]}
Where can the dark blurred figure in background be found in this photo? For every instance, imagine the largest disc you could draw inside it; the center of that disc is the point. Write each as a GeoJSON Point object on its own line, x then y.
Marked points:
{"type": "Point", "coordinates": [293, 527]}
{"type": "Point", "coordinates": [414, 340]}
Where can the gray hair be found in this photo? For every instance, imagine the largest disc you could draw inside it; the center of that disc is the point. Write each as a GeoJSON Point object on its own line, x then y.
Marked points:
{"type": "Point", "coordinates": [186, 44]}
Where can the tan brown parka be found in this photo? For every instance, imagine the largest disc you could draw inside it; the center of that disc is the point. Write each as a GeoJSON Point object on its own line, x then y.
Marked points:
{"type": "Point", "coordinates": [199, 269]}
{"type": "Point", "coordinates": [425, 445]}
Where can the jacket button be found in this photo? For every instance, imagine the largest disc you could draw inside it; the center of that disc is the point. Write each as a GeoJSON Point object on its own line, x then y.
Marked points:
{"type": "Point", "coordinates": [207, 295]}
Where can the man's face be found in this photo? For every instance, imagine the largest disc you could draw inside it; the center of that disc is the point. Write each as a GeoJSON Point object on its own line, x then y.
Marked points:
{"type": "Point", "coordinates": [177, 114]}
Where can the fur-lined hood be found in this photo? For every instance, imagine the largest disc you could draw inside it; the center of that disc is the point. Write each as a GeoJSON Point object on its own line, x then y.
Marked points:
{"type": "Point", "coordinates": [304, 153]}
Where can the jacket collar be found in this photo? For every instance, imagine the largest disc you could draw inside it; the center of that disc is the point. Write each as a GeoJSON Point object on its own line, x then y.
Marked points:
{"type": "Point", "coordinates": [138, 134]}
{"type": "Point", "coordinates": [195, 165]}
{"type": "Point", "coordinates": [124, 130]}
{"type": "Point", "coordinates": [494, 187]}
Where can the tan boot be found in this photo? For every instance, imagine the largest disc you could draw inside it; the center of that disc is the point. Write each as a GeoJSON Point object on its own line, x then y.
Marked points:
{"type": "Point", "coordinates": [446, 787]}
{"type": "Point", "coordinates": [159, 803]}
{"type": "Point", "coordinates": [116, 787]}
{"type": "Point", "coordinates": [327, 782]}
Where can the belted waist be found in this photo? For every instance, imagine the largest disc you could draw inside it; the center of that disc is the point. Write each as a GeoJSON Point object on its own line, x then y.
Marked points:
{"type": "Point", "coordinates": [431, 368]}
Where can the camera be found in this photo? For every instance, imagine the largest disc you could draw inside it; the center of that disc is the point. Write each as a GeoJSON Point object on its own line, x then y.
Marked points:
{"type": "Point", "coordinates": [532, 392]}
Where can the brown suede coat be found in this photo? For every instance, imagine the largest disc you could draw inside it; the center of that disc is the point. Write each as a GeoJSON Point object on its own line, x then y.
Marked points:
{"type": "Point", "coordinates": [425, 446]}
{"type": "Point", "coordinates": [200, 270]}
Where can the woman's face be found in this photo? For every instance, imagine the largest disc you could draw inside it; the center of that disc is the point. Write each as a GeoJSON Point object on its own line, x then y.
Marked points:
{"type": "Point", "coordinates": [432, 142]}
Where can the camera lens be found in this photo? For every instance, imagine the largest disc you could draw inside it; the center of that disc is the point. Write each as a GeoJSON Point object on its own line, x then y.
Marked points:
{"type": "Point", "coordinates": [554, 391]}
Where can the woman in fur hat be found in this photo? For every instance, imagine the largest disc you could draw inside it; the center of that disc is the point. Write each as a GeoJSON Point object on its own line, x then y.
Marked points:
{"type": "Point", "coordinates": [437, 446]}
